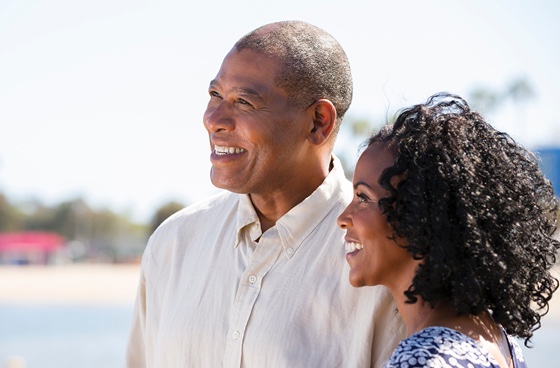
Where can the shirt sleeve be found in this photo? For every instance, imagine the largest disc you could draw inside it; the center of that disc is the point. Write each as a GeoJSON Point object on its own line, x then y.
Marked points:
{"type": "Point", "coordinates": [136, 348]}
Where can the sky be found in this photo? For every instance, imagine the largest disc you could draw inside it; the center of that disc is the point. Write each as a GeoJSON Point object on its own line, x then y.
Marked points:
{"type": "Point", "coordinates": [103, 99]}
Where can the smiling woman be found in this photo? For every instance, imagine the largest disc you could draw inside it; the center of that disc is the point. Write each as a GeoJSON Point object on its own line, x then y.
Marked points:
{"type": "Point", "coordinates": [373, 255]}
{"type": "Point", "coordinates": [457, 220]}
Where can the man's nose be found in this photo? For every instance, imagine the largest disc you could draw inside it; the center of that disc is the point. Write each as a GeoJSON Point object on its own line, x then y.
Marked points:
{"type": "Point", "coordinates": [219, 118]}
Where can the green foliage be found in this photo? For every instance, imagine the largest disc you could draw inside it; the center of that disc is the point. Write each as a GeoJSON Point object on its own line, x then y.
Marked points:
{"type": "Point", "coordinates": [92, 234]}
{"type": "Point", "coordinates": [353, 132]}
{"type": "Point", "coordinates": [10, 217]}
{"type": "Point", "coordinates": [486, 100]}
{"type": "Point", "coordinates": [361, 127]}
{"type": "Point", "coordinates": [164, 212]}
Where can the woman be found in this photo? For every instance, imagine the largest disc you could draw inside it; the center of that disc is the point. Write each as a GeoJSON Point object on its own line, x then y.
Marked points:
{"type": "Point", "coordinates": [456, 219]}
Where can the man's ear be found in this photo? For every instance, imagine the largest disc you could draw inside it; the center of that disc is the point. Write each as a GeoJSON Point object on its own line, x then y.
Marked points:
{"type": "Point", "coordinates": [324, 119]}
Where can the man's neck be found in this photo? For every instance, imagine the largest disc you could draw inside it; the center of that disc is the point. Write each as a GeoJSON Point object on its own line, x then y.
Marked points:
{"type": "Point", "coordinates": [272, 205]}
{"type": "Point", "coordinates": [270, 208]}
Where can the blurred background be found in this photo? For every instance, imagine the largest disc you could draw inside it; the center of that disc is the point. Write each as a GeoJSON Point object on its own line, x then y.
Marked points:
{"type": "Point", "coordinates": [101, 134]}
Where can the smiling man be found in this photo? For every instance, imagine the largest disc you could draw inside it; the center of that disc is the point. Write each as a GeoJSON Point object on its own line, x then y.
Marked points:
{"type": "Point", "coordinates": [256, 276]}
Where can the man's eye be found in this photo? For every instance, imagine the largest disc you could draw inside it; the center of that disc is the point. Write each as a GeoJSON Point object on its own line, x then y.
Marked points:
{"type": "Point", "coordinates": [215, 94]}
{"type": "Point", "coordinates": [243, 102]}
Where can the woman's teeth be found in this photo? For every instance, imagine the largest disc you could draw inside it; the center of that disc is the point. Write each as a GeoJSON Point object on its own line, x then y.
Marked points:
{"type": "Point", "coordinates": [351, 246]}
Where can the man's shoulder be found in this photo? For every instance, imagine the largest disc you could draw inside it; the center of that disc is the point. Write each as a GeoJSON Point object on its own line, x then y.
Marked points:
{"type": "Point", "coordinates": [197, 216]}
{"type": "Point", "coordinates": [198, 211]}
{"type": "Point", "coordinates": [189, 225]}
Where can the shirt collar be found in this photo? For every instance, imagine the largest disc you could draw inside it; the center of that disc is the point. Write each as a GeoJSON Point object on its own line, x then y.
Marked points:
{"type": "Point", "coordinates": [296, 225]}
{"type": "Point", "coordinates": [246, 215]}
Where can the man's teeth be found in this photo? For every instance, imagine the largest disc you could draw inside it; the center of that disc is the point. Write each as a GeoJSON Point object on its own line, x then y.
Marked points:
{"type": "Point", "coordinates": [228, 150]}
{"type": "Point", "coordinates": [351, 246]}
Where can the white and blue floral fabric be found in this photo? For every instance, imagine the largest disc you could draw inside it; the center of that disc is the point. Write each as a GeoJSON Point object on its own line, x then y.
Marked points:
{"type": "Point", "coordinates": [444, 347]}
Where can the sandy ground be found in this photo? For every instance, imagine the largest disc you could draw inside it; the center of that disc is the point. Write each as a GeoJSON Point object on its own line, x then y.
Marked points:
{"type": "Point", "coordinates": [98, 284]}
{"type": "Point", "coordinates": [69, 284]}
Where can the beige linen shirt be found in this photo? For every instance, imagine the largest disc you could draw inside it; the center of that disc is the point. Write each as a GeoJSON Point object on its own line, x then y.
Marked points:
{"type": "Point", "coordinates": [210, 295]}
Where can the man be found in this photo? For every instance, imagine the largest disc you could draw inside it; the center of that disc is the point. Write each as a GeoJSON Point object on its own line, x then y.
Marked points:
{"type": "Point", "coordinates": [256, 276]}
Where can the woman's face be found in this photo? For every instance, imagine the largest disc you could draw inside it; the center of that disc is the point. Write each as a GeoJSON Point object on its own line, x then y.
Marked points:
{"type": "Point", "coordinates": [374, 258]}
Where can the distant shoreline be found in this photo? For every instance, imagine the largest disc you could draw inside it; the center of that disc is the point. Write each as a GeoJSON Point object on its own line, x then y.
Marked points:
{"type": "Point", "coordinates": [101, 284]}
{"type": "Point", "coordinates": [69, 284]}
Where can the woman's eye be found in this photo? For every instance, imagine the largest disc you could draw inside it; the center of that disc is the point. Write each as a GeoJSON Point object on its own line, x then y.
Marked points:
{"type": "Point", "coordinates": [361, 197]}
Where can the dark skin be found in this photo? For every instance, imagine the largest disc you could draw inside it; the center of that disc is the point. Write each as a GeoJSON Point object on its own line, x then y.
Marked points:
{"type": "Point", "coordinates": [380, 261]}
{"type": "Point", "coordinates": [261, 144]}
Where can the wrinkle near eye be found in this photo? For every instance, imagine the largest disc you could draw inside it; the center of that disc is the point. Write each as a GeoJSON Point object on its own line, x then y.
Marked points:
{"type": "Point", "coordinates": [242, 101]}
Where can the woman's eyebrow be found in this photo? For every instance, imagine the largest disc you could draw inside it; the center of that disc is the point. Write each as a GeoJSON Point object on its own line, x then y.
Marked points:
{"type": "Point", "coordinates": [357, 184]}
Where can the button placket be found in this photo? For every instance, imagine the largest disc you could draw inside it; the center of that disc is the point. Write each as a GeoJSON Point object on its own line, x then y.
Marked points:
{"type": "Point", "coordinates": [264, 257]}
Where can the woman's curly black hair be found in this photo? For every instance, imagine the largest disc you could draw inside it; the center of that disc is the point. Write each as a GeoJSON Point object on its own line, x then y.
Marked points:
{"type": "Point", "coordinates": [476, 208]}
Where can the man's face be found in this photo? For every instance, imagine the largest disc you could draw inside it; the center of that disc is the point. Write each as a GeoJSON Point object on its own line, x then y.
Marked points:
{"type": "Point", "coordinates": [256, 136]}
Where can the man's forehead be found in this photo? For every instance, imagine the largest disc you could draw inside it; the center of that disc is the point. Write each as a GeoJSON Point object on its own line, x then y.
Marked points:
{"type": "Point", "coordinates": [248, 71]}
{"type": "Point", "coordinates": [247, 88]}
{"type": "Point", "coordinates": [272, 62]}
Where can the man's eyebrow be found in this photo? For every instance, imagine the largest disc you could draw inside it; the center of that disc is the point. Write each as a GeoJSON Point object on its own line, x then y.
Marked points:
{"type": "Point", "coordinates": [243, 90]}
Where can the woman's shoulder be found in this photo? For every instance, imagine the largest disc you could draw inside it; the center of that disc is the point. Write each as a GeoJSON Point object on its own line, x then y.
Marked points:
{"type": "Point", "coordinates": [440, 347]}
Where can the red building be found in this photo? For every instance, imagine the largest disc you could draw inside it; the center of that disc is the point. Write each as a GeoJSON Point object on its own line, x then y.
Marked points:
{"type": "Point", "coordinates": [30, 247]}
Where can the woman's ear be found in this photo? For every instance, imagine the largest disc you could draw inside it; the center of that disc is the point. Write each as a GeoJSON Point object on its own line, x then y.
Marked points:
{"type": "Point", "coordinates": [324, 119]}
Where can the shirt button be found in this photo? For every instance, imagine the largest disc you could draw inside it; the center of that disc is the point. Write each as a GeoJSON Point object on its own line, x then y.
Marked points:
{"type": "Point", "coordinates": [290, 250]}
{"type": "Point", "coordinates": [252, 279]}
{"type": "Point", "coordinates": [235, 335]}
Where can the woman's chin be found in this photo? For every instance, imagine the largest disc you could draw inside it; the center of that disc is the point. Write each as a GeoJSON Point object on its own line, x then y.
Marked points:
{"type": "Point", "coordinates": [356, 281]}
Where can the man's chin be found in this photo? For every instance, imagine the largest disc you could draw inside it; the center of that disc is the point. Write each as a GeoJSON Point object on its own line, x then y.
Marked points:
{"type": "Point", "coordinates": [226, 185]}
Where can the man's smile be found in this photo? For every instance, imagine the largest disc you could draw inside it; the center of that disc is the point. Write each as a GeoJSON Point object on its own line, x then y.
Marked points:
{"type": "Point", "coordinates": [219, 150]}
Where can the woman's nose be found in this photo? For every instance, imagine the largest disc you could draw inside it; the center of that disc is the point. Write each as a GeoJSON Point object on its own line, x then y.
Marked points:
{"type": "Point", "coordinates": [344, 221]}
